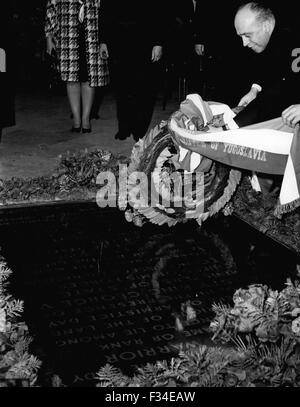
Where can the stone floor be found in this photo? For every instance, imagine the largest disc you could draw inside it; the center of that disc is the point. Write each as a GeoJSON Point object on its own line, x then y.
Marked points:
{"type": "Point", "coordinates": [42, 132]}
{"type": "Point", "coordinates": [99, 290]}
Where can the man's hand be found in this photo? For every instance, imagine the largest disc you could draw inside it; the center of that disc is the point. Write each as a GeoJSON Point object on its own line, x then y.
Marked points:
{"type": "Point", "coordinates": [156, 53]}
{"type": "Point", "coordinates": [103, 51]}
{"type": "Point", "coordinates": [248, 97]}
{"type": "Point", "coordinates": [199, 49]}
{"type": "Point", "coordinates": [291, 115]}
{"type": "Point", "coordinates": [50, 44]}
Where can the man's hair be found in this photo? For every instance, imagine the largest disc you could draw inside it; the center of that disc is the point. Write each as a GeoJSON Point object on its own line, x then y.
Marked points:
{"type": "Point", "coordinates": [262, 11]}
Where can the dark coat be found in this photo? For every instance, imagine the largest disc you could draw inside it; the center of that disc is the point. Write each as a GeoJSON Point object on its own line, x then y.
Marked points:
{"type": "Point", "coordinates": [274, 64]}
{"type": "Point", "coordinates": [130, 29]}
{"type": "Point", "coordinates": [63, 23]}
{"type": "Point", "coordinates": [133, 25]}
{"type": "Point", "coordinates": [215, 27]}
{"type": "Point", "coordinates": [273, 70]}
{"type": "Point", "coordinates": [182, 28]}
{"type": "Point", "coordinates": [185, 20]}
{"type": "Point", "coordinates": [7, 79]}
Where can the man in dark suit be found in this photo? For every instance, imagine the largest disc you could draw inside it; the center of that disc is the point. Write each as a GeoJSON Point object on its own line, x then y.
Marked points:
{"type": "Point", "coordinates": [183, 49]}
{"type": "Point", "coordinates": [132, 36]}
{"type": "Point", "coordinates": [275, 84]}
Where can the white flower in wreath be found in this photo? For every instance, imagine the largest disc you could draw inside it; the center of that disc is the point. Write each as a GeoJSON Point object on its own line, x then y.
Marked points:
{"type": "Point", "coordinates": [271, 305]}
{"type": "Point", "coordinates": [214, 325]}
{"type": "Point", "coordinates": [106, 156]}
{"type": "Point", "coordinates": [167, 210]}
{"type": "Point", "coordinates": [190, 313]}
{"type": "Point", "coordinates": [295, 312]}
{"type": "Point", "coordinates": [296, 326]}
{"type": "Point", "coordinates": [129, 216]}
{"type": "Point", "coordinates": [2, 320]}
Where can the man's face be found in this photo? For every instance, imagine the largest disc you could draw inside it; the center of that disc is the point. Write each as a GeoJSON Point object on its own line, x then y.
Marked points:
{"type": "Point", "coordinates": [254, 34]}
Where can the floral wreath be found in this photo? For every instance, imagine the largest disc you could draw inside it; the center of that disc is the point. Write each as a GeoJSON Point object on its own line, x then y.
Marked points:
{"type": "Point", "coordinates": [157, 156]}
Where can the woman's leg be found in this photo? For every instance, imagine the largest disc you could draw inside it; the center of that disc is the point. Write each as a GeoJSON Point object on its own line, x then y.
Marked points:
{"type": "Point", "coordinates": [73, 91]}
{"type": "Point", "coordinates": [87, 94]}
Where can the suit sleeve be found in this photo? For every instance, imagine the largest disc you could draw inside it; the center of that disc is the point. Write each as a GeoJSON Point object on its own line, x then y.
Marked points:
{"type": "Point", "coordinates": [105, 20]}
{"type": "Point", "coordinates": [278, 67]}
{"type": "Point", "coordinates": [159, 23]}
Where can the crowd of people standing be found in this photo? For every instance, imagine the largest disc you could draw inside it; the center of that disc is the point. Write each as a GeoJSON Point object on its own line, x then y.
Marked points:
{"type": "Point", "coordinates": [129, 44]}
{"type": "Point", "coordinates": [244, 49]}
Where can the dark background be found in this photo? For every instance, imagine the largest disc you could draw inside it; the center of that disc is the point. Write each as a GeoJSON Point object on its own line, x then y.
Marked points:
{"type": "Point", "coordinates": [22, 25]}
